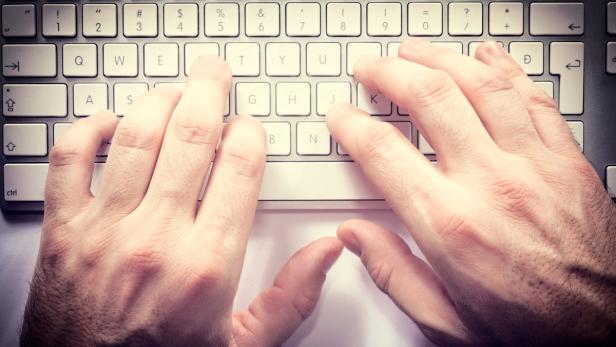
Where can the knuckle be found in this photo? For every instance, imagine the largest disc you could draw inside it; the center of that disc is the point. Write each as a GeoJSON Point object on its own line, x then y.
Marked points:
{"type": "Point", "coordinates": [246, 161]}
{"type": "Point", "coordinates": [67, 153]}
{"type": "Point", "coordinates": [137, 136]}
{"type": "Point", "coordinates": [381, 274]}
{"type": "Point", "coordinates": [92, 251]}
{"type": "Point", "coordinates": [206, 279]}
{"type": "Point", "coordinates": [377, 140]}
{"type": "Point", "coordinates": [142, 259]}
{"type": "Point", "coordinates": [540, 102]}
{"type": "Point", "coordinates": [513, 195]}
{"type": "Point", "coordinates": [437, 87]}
{"type": "Point", "coordinates": [458, 230]}
{"type": "Point", "coordinates": [197, 130]}
{"type": "Point", "coordinates": [492, 81]}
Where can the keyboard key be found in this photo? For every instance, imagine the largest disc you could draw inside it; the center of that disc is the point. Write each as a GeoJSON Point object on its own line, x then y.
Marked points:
{"type": "Point", "coordinates": [125, 95]}
{"type": "Point", "coordinates": [79, 60]}
{"type": "Point", "coordinates": [473, 46]}
{"type": "Point", "coordinates": [37, 60]}
{"type": "Point", "coordinates": [59, 20]}
{"type": "Point", "coordinates": [405, 129]}
{"type": "Point", "coordinates": [192, 51]}
{"type": "Point", "coordinates": [262, 20]}
{"type": "Point", "coordinates": [547, 87]}
{"type": "Point", "coordinates": [466, 19]}
{"type": "Point", "coordinates": [25, 139]}
{"type": "Point", "coordinates": [161, 60]}
{"type": "Point", "coordinates": [278, 138]}
{"type": "Point", "coordinates": [611, 18]}
{"type": "Point", "coordinates": [140, 20]}
{"type": "Point", "coordinates": [425, 19]}
{"type": "Point", "coordinates": [25, 182]}
{"type": "Point", "coordinates": [282, 59]}
{"type": "Point", "coordinates": [18, 21]}
{"type": "Point", "coordinates": [181, 20]}
{"type": "Point", "coordinates": [313, 138]}
{"type": "Point", "coordinates": [60, 128]}
{"type": "Point", "coordinates": [293, 99]}
{"type": "Point", "coordinates": [356, 50]}
{"type": "Point", "coordinates": [89, 98]}
{"type": "Point", "coordinates": [330, 94]}
{"type": "Point", "coordinates": [557, 18]}
{"type": "Point", "coordinates": [611, 58]}
{"type": "Point", "coordinates": [506, 18]}
{"type": "Point", "coordinates": [577, 128]}
{"type": "Point", "coordinates": [373, 103]}
{"type": "Point", "coordinates": [252, 98]}
{"type": "Point", "coordinates": [343, 19]}
{"type": "Point", "coordinates": [610, 177]}
{"type": "Point", "coordinates": [567, 61]}
{"type": "Point", "coordinates": [529, 55]}
{"type": "Point", "coordinates": [243, 58]}
{"type": "Point", "coordinates": [384, 19]}
{"type": "Point", "coordinates": [120, 60]}
{"type": "Point", "coordinates": [34, 100]}
{"type": "Point", "coordinates": [303, 19]}
{"type": "Point", "coordinates": [323, 59]}
{"type": "Point", "coordinates": [100, 20]}
{"type": "Point", "coordinates": [454, 46]}
{"type": "Point", "coordinates": [222, 20]}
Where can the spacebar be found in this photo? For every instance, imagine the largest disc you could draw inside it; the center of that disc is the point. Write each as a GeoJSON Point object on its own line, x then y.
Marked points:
{"type": "Point", "coordinates": [306, 181]}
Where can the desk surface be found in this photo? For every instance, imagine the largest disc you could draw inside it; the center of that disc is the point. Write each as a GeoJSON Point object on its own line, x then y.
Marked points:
{"type": "Point", "coordinates": [351, 312]}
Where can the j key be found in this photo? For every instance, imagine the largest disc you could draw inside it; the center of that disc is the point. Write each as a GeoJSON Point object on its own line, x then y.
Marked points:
{"type": "Point", "coordinates": [557, 18]}
{"type": "Point", "coordinates": [29, 60]}
{"type": "Point", "coordinates": [18, 21]}
{"type": "Point", "coordinates": [59, 20]}
{"type": "Point", "coordinates": [331, 93]}
{"type": "Point", "coordinates": [34, 100]}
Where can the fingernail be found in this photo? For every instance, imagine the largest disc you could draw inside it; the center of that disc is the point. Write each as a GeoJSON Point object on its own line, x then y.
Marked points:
{"type": "Point", "coordinates": [414, 44]}
{"type": "Point", "coordinates": [495, 49]}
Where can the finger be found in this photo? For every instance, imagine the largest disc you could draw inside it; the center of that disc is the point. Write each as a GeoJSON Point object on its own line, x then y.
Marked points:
{"type": "Point", "coordinates": [230, 199]}
{"type": "Point", "coordinates": [191, 137]}
{"type": "Point", "coordinates": [404, 176]}
{"type": "Point", "coordinates": [280, 309]}
{"type": "Point", "coordinates": [134, 150]}
{"type": "Point", "coordinates": [543, 112]}
{"type": "Point", "coordinates": [71, 162]}
{"type": "Point", "coordinates": [408, 281]}
{"type": "Point", "coordinates": [492, 94]}
{"type": "Point", "coordinates": [438, 108]}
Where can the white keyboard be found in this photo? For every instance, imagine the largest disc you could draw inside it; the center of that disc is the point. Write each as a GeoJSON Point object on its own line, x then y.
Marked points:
{"type": "Point", "coordinates": [290, 60]}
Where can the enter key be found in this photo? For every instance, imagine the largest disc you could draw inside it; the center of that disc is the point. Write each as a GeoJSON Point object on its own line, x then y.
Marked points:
{"type": "Point", "coordinates": [567, 61]}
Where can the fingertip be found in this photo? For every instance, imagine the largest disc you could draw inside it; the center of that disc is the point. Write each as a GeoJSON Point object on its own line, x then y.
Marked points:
{"type": "Point", "coordinates": [211, 66]}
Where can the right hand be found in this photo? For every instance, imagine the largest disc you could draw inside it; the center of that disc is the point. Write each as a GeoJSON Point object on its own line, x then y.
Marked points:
{"type": "Point", "coordinates": [517, 227]}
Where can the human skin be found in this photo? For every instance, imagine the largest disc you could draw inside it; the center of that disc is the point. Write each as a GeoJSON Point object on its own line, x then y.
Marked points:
{"type": "Point", "coordinates": [142, 263]}
{"type": "Point", "coordinates": [518, 231]}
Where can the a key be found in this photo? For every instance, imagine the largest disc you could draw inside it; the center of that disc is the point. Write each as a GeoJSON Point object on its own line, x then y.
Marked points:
{"type": "Point", "coordinates": [18, 20]}
{"type": "Point", "coordinates": [59, 20]}
{"type": "Point", "coordinates": [313, 138]}
{"type": "Point", "coordinates": [125, 95]}
{"type": "Point", "coordinates": [373, 103]}
{"type": "Point", "coordinates": [465, 18]}
{"type": "Point", "coordinates": [243, 58]}
{"type": "Point", "coordinates": [610, 178]}
{"type": "Point", "coordinates": [262, 20]}
{"type": "Point", "coordinates": [547, 87]}
{"type": "Point", "coordinates": [278, 138]}
{"type": "Point", "coordinates": [343, 19]}
{"type": "Point", "coordinates": [192, 51]}
{"type": "Point", "coordinates": [140, 20]}
{"type": "Point", "coordinates": [181, 20]}
{"type": "Point", "coordinates": [425, 19]}
{"type": "Point", "coordinates": [252, 98]}
{"type": "Point", "coordinates": [25, 139]}
{"type": "Point", "coordinates": [120, 60]}
{"type": "Point", "coordinates": [79, 60]}
{"type": "Point", "coordinates": [303, 19]}
{"type": "Point", "coordinates": [611, 18]}
{"type": "Point", "coordinates": [557, 18]}
{"type": "Point", "coordinates": [384, 19]}
{"type": "Point", "coordinates": [506, 18]}
{"type": "Point", "coordinates": [282, 59]}
{"type": "Point", "coordinates": [611, 58]}
{"type": "Point", "coordinates": [473, 46]}
{"type": "Point", "coordinates": [330, 94]}
{"type": "Point", "coordinates": [222, 20]}
{"type": "Point", "coordinates": [34, 100]}
{"type": "Point", "coordinates": [100, 20]}
{"type": "Point", "coordinates": [356, 50]}
{"type": "Point", "coordinates": [60, 129]}
{"type": "Point", "coordinates": [567, 61]}
{"type": "Point", "coordinates": [89, 98]}
{"type": "Point", "coordinates": [577, 129]}
{"type": "Point", "coordinates": [529, 56]}
{"type": "Point", "coordinates": [161, 59]}
{"type": "Point", "coordinates": [38, 60]}
{"type": "Point", "coordinates": [323, 59]}
{"type": "Point", "coordinates": [293, 99]}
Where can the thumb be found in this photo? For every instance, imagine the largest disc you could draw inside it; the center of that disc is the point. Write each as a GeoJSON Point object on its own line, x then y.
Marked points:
{"type": "Point", "coordinates": [279, 310]}
{"type": "Point", "coordinates": [408, 280]}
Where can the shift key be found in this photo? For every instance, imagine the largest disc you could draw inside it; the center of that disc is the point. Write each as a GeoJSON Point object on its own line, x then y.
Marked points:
{"type": "Point", "coordinates": [34, 100]}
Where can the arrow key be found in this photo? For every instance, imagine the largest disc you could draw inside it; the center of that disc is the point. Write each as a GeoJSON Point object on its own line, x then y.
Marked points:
{"type": "Point", "coordinates": [29, 60]}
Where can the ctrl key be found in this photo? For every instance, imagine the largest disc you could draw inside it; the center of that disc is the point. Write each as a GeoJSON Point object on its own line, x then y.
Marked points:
{"type": "Point", "coordinates": [24, 182]}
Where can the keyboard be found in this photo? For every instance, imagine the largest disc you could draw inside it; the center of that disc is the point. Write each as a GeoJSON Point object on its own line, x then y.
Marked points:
{"type": "Point", "coordinates": [291, 61]}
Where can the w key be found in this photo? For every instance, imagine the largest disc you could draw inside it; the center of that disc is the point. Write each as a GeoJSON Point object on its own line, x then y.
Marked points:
{"type": "Point", "coordinates": [29, 60]}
